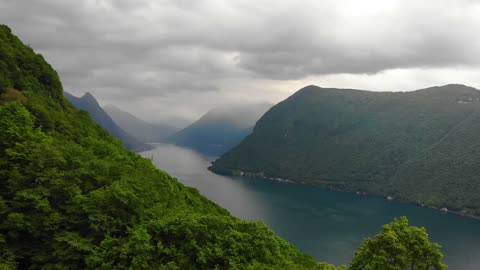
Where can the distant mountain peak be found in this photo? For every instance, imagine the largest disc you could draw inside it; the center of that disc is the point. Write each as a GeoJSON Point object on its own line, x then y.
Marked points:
{"type": "Point", "coordinates": [88, 97]}
{"type": "Point", "coordinates": [142, 130]}
{"type": "Point", "coordinates": [453, 90]}
{"type": "Point", "coordinates": [455, 86]}
{"type": "Point", "coordinates": [89, 103]}
{"type": "Point", "coordinates": [242, 116]}
{"type": "Point", "coordinates": [220, 129]}
{"type": "Point", "coordinates": [459, 85]}
{"type": "Point", "coordinates": [311, 86]}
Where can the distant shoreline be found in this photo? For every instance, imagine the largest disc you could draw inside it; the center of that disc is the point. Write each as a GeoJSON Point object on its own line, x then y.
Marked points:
{"type": "Point", "coordinates": [359, 193]}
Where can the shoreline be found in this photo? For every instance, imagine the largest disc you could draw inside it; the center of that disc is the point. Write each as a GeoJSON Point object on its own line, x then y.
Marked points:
{"type": "Point", "coordinates": [359, 193]}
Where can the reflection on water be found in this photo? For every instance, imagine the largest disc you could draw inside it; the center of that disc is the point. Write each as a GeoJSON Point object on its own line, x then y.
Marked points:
{"type": "Point", "coordinates": [326, 224]}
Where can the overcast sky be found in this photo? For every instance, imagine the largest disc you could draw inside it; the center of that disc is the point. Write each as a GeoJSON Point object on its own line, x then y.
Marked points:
{"type": "Point", "coordinates": [173, 60]}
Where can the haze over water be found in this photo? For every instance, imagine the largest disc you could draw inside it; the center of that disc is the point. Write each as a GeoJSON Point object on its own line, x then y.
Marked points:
{"type": "Point", "coordinates": [326, 224]}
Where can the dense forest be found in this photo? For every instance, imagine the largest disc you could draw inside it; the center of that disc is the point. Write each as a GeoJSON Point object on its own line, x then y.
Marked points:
{"type": "Point", "coordinates": [73, 198]}
{"type": "Point", "coordinates": [420, 146]}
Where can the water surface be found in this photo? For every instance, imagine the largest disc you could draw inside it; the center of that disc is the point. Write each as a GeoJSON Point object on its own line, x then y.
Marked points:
{"type": "Point", "coordinates": [326, 224]}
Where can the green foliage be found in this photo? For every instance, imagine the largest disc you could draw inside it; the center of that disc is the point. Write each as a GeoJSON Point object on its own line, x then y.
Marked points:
{"type": "Point", "coordinates": [199, 242]}
{"type": "Point", "coordinates": [10, 94]}
{"type": "Point", "coordinates": [21, 68]}
{"type": "Point", "coordinates": [419, 146]}
{"type": "Point", "coordinates": [399, 247]}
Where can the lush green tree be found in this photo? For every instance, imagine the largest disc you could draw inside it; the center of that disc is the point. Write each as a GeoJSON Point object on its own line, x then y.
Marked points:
{"type": "Point", "coordinates": [399, 247]}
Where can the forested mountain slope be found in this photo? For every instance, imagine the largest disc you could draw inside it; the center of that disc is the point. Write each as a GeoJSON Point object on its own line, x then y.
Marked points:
{"type": "Point", "coordinates": [421, 146]}
{"type": "Point", "coordinates": [72, 198]}
{"type": "Point", "coordinates": [88, 103]}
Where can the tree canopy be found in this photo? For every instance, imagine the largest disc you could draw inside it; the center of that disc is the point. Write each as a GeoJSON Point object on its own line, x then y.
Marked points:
{"type": "Point", "coordinates": [399, 247]}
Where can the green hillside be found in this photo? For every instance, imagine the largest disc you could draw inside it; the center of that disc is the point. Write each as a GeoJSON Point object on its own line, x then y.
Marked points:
{"type": "Point", "coordinates": [73, 198]}
{"type": "Point", "coordinates": [421, 146]}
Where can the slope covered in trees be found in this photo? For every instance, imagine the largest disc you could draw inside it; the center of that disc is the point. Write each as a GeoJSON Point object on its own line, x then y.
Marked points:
{"type": "Point", "coordinates": [88, 103]}
{"type": "Point", "coordinates": [398, 247]}
{"type": "Point", "coordinates": [421, 146]}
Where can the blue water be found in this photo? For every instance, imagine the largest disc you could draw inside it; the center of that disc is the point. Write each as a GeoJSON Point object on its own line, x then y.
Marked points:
{"type": "Point", "coordinates": [326, 224]}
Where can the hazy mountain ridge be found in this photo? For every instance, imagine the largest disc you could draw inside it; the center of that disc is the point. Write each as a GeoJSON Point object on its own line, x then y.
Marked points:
{"type": "Point", "coordinates": [143, 131]}
{"type": "Point", "coordinates": [88, 103]}
{"type": "Point", "coordinates": [419, 146]}
{"type": "Point", "coordinates": [219, 129]}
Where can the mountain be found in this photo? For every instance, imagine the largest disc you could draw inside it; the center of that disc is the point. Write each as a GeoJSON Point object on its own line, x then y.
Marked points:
{"type": "Point", "coordinates": [421, 146]}
{"type": "Point", "coordinates": [88, 103]}
{"type": "Point", "coordinates": [141, 130]}
{"type": "Point", "coordinates": [219, 129]}
{"type": "Point", "coordinates": [73, 198]}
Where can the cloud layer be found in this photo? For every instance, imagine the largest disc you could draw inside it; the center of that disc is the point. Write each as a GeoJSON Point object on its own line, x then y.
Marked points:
{"type": "Point", "coordinates": [176, 59]}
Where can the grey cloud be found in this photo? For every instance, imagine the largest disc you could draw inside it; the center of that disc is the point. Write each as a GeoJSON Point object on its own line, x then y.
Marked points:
{"type": "Point", "coordinates": [436, 36]}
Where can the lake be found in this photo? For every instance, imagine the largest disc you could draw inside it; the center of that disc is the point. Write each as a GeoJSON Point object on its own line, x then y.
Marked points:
{"type": "Point", "coordinates": [326, 224]}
